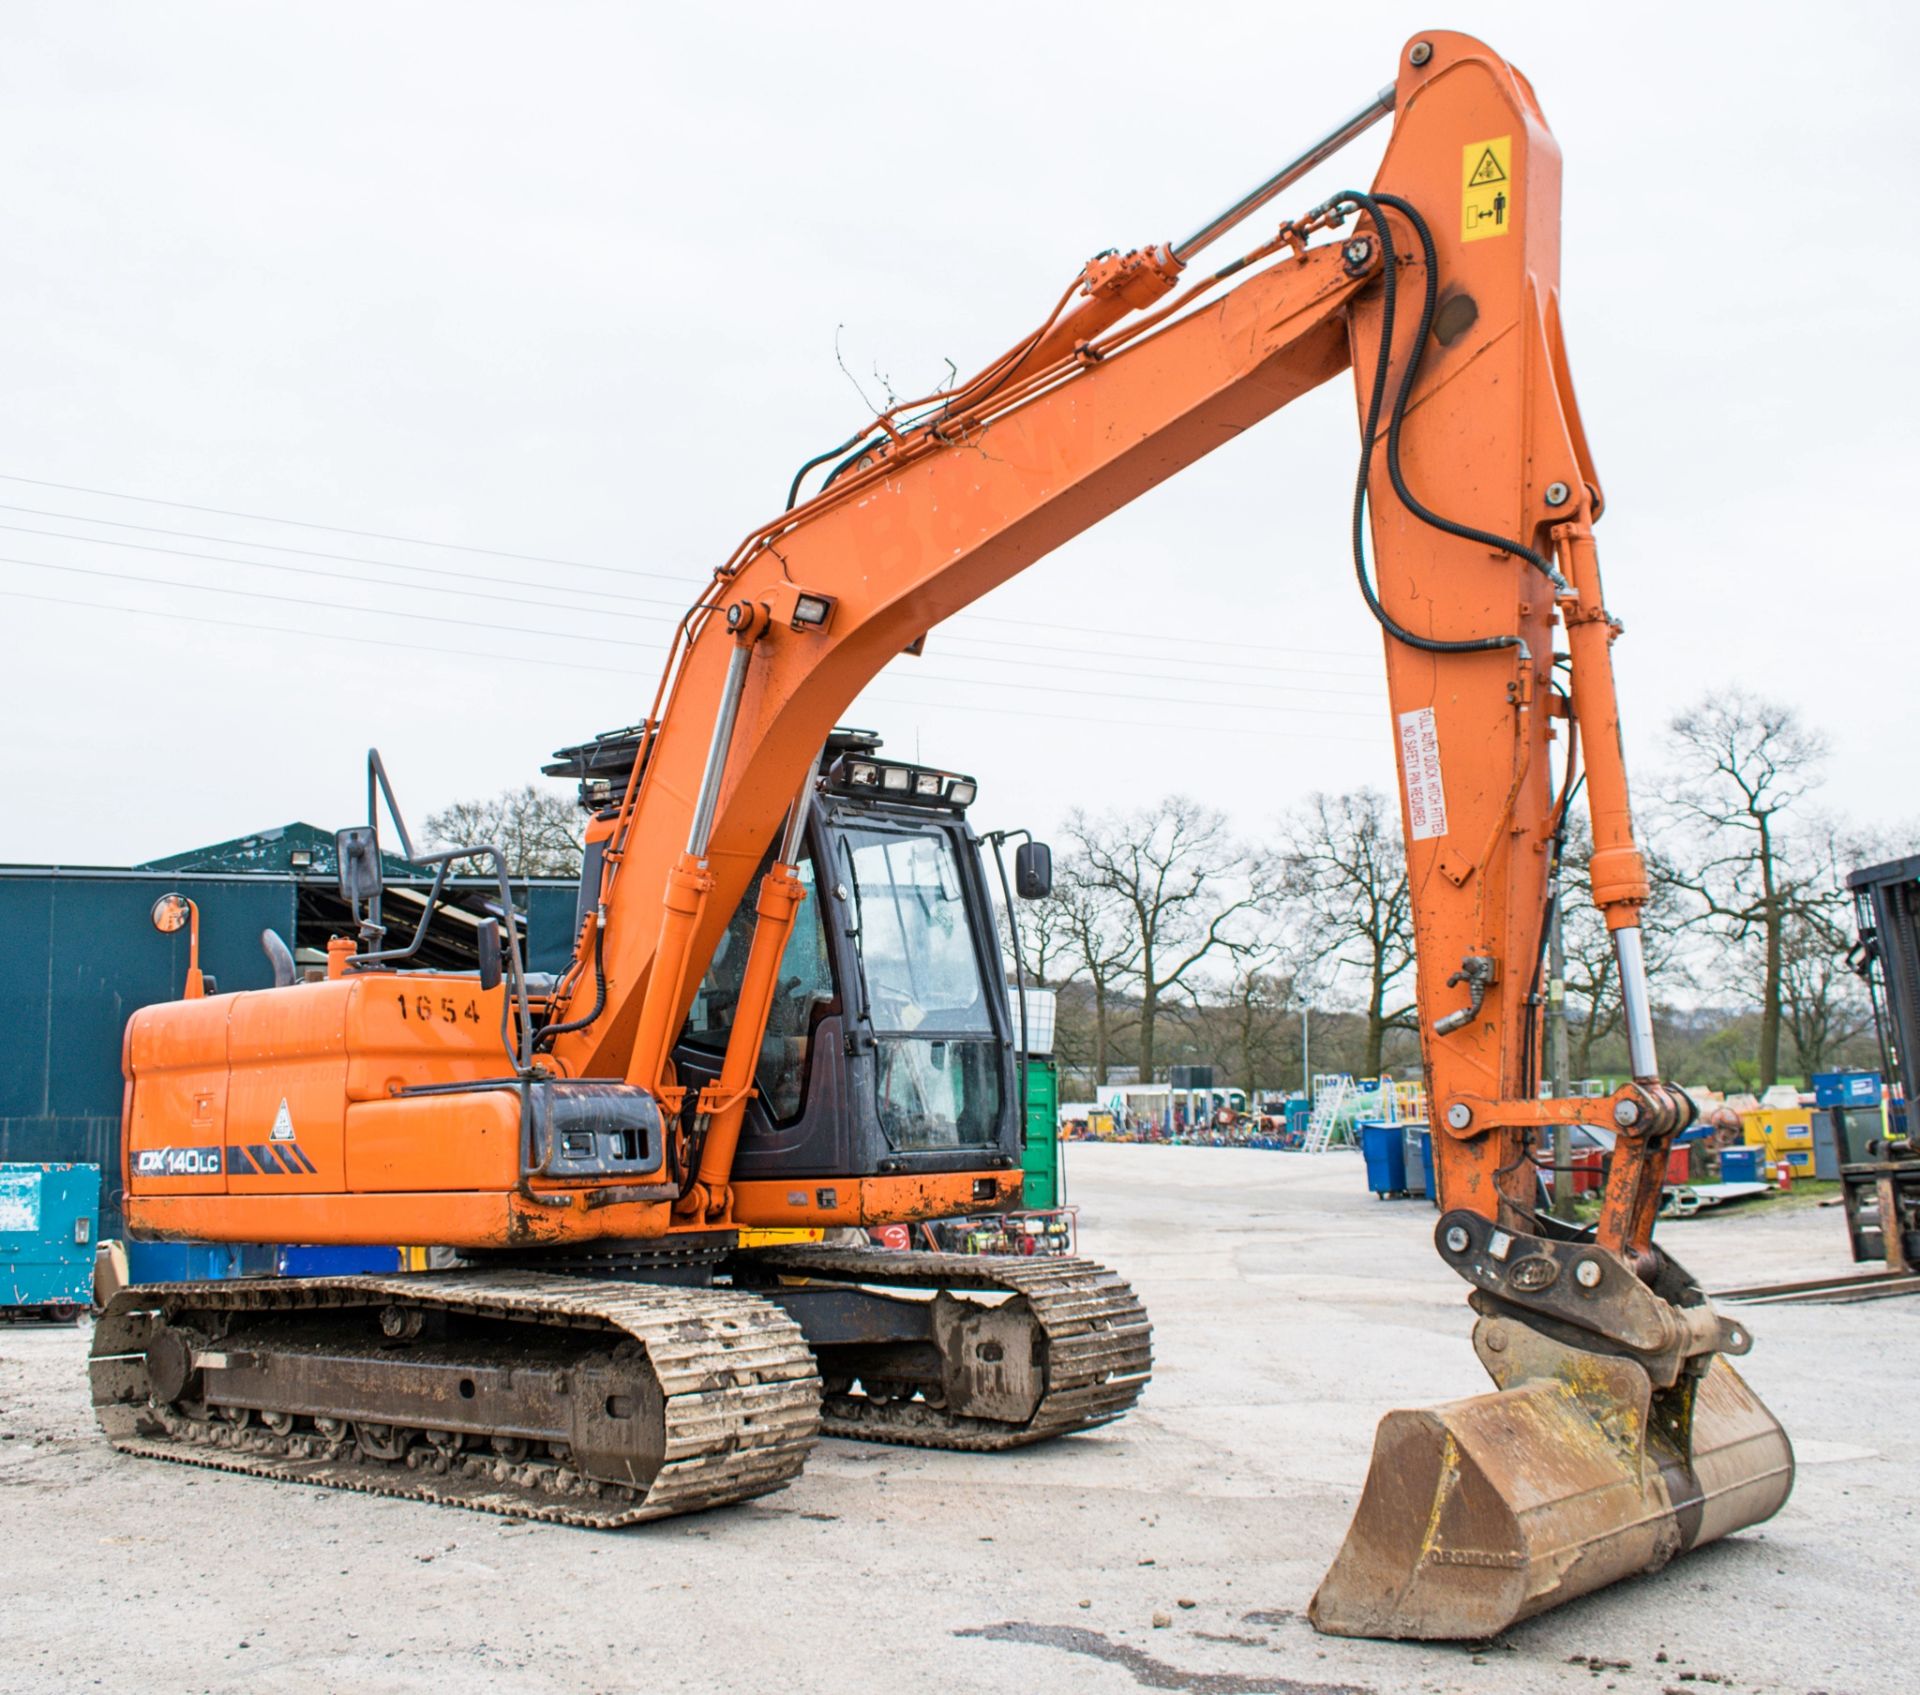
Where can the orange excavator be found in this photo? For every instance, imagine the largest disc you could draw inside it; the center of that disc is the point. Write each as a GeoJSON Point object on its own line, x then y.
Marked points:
{"type": "Point", "coordinates": [785, 1007]}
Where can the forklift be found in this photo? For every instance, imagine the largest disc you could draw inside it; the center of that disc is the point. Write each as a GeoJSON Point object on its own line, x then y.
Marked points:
{"type": "Point", "coordinates": [1879, 1162]}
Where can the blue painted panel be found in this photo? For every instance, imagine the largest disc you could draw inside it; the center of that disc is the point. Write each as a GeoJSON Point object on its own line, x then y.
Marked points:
{"type": "Point", "coordinates": [338, 1260]}
{"type": "Point", "coordinates": [49, 1223]}
{"type": "Point", "coordinates": [197, 1262]}
{"type": "Point", "coordinates": [550, 910]}
{"type": "Point", "coordinates": [1846, 1088]}
{"type": "Point", "coordinates": [108, 961]}
{"type": "Point", "coordinates": [94, 959]}
{"type": "Point", "coordinates": [95, 1141]}
{"type": "Point", "coordinates": [85, 958]}
{"type": "Point", "coordinates": [26, 920]}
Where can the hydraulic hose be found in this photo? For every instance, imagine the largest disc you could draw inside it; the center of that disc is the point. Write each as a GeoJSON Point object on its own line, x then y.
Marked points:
{"type": "Point", "coordinates": [1377, 402]}
{"type": "Point", "coordinates": [799, 476]}
{"type": "Point", "coordinates": [848, 463]}
{"type": "Point", "coordinates": [1430, 298]}
{"type": "Point", "coordinates": [547, 1036]}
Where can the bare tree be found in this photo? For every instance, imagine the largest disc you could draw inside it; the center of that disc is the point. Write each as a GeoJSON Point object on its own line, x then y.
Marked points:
{"type": "Point", "coordinates": [537, 830]}
{"type": "Point", "coordinates": [1103, 952]}
{"type": "Point", "coordinates": [1823, 1002]}
{"type": "Point", "coordinates": [1071, 941]}
{"type": "Point", "coordinates": [1183, 888]}
{"type": "Point", "coordinates": [1258, 1008]}
{"type": "Point", "coordinates": [1049, 948]}
{"type": "Point", "coordinates": [1343, 869]}
{"type": "Point", "coordinates": [1735, 850]}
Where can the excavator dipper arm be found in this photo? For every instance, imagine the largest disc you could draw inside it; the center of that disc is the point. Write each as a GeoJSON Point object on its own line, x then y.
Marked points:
{"type": "Point", "coordinates": [1621, 1436]}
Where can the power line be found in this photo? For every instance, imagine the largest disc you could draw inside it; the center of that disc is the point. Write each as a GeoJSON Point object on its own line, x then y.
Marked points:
{"type": "Point", "coordinates": [1129, 659]}
{"type": "Point", "coordinates": [321, 605]}
{"type": "Point", "coordinates": [1136, 699]}
{"type": "Point", "coordinates": [317, 553]}
{"type": "Point", "coordinates": [471, 593]}
{"type": "Point", "coordinates": [304, 524]}
{"type": "Point", "coordinates": [1261, 731]}
{"type": "Point", "coordinates": [1080, 691]}
{"type": "Point", "coordinates": [346, 577]}
{"type": "Point", "coordinates": [197, 620]}
{"type": "Point", "coordinates": [1264, 731]}
{"type": "Point", "coordinates": [1171, 700]}
{"type": "Point", "coordinates": [1160, 639]}
{"type": "Point", "coordinates": [1213, 644]}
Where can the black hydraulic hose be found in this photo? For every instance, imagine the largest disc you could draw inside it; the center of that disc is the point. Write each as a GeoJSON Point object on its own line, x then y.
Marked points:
{"type": "Point", "coordinates": [545, 1039]}
{"type": "Point", "coordinates": [1389, 290]}
{"type": "Point", "coordinates": [1369, 436]}
{"type": "Point", "coordinates": [848, 463]}
{"type": "Point", "coordinates": [1377, 402]}
{"type": "Point", "coordinates": [1431, 295]}
{"type": "Point", "coordinates": [799, 476]}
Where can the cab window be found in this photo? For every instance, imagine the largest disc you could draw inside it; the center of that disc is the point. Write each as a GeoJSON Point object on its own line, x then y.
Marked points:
{"type": "Point", "coordinates": [802, 990]}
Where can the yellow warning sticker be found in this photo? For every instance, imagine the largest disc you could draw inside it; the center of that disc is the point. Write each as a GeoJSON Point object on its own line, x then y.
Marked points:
{"type": "Point", "coordinates": [1486, 188]}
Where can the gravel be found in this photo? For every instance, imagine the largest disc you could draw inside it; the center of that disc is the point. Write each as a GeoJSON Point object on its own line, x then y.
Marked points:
{"type": "Point", "coordinates": [1291, 1309]}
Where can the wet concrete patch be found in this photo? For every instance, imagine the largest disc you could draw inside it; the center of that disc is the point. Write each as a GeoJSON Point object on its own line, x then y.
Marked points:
{"type": "Point", "coordinates": [1149, 1672]}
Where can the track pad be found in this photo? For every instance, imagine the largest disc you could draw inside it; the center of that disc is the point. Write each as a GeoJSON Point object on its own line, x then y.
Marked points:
{"type": "Point", "coordinates": [992, 1359]}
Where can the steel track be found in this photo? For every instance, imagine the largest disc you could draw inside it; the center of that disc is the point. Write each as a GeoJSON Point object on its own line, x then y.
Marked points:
{"type": "Point", "coordinates": [741, 1395]}
{"type": "Point", "coordinates": [1099, 1343]}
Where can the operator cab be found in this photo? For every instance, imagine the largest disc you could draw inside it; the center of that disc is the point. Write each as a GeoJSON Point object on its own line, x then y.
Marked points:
{"type": "Point", "coordinates": [890, 1046]}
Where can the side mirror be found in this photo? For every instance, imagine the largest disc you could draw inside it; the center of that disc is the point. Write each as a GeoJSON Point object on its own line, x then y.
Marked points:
{"type": "Point", "coordinates": [357, 849]}
{"type": "Point", "coordinates": [173, 913]}
{"type": "Point", "coordinates": [487, 945]}
{"type": "Point", "coordinates": [1033, 870]}
{"type": "Point", "coordinates": [170, 913]}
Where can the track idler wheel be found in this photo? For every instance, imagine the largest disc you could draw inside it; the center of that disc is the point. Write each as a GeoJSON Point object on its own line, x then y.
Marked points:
{"type": "Point", "coordinates": [1483, 1512]}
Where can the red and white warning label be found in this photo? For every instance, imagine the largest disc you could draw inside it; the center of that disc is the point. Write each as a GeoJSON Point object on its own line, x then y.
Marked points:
{"type": "Point", "coordinates": [1420, 766]}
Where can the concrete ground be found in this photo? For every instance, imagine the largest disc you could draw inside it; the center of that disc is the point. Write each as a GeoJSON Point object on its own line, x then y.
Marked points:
{"type": "Point", "coordinates": [1291, 1309]}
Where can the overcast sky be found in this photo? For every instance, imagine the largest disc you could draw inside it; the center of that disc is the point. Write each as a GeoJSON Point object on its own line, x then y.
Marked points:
{"type": "Point", "coordinates": [565, 282]}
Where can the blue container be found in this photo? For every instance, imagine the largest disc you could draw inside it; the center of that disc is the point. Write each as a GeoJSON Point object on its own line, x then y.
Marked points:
{"type": "Point", "coordinates": [338, 1261]}
{"type": "Point", "coordinates": [197, 1262]}
{"type": "Point", "coordinates": [49, 1216]}
{"type": "Point", "coordinates": [1846, 1088]}
{"type": "Point", "coordinates": [1384, 1148]}
{"type": "Point", "coordinates": [1740, 1165]}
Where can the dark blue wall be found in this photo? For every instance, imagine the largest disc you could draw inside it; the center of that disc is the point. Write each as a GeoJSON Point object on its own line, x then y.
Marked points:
{"type": "Point", "coordinates": [81, 956]}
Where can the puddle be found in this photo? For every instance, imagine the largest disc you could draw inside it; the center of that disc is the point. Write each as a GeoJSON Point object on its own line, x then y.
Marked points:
{"type": "Point", "coordinates": [1149, 1672]}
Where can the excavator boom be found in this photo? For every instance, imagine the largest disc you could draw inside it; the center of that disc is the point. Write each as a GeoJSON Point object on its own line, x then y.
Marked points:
{"type": "Point", "coordinates": [1619, 1434]}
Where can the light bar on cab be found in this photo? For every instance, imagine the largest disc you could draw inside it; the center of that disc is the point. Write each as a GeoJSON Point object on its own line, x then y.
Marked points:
{"type": "Point", "coordinates": [901, 785]}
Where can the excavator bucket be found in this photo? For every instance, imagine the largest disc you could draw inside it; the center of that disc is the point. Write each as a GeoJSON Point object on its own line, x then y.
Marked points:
{"type": "Point", "coordinates": [1483, 1512]}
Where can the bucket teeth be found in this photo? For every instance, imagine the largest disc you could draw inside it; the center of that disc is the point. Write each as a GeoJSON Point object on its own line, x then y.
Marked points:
{"type": "Point", "coordinates": [1483, 1512]}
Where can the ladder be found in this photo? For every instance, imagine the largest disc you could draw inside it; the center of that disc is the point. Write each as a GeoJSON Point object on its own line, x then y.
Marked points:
{"type": "Point", "coordinates": [1328, 1127]}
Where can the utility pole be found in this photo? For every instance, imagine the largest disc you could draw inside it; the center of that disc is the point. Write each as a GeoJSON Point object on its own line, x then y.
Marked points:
{"type": "Point", "coordinates": [1557, 1057]}
{"type": "Point", "coordinates": [1306, 1068]}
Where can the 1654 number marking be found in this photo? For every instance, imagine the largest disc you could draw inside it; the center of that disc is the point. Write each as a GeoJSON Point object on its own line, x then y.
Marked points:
{"type": "Point", "coordinates": [425, 1009]}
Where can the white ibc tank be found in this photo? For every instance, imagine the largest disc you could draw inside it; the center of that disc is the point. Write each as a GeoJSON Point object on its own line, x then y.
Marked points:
{"type": "Point", "coordinates": [1039, 1018]}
